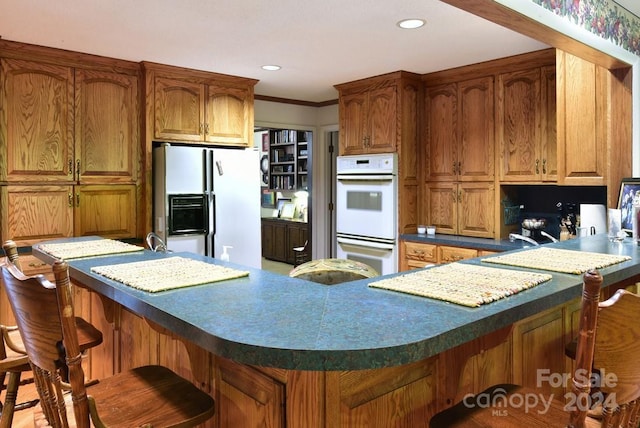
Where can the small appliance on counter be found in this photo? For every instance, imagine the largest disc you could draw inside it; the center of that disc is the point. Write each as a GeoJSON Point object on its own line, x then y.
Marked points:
{"type": "Point", "coordinates": [534, 228]}
{"type": "Point", "coordinates": [594, 215]}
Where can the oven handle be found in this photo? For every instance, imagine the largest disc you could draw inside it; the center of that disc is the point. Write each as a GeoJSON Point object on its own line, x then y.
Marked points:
{"type": "Point", "coordinates": [372, 177]}
{"type": "Point", "coordinates": [369, 244]}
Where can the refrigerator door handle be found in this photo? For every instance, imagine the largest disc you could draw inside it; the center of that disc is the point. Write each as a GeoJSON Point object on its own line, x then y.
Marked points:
{"type": "Point", "coordinates": [210, 172]}
{"type": "Point", "coordinates": [204, 169]}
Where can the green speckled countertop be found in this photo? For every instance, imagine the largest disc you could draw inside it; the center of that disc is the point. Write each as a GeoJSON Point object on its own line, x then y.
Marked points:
{"type": "Point", "coordinates": [275, 321]}
{"type": "Point", "coordinates": [466, 241]}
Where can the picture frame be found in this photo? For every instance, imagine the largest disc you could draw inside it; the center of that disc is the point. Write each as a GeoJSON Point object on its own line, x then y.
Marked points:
{"type": "Point", "coordinates": [288, 210]}
{"type": "Point", "coordinates": [628, 189]}
{"type": "Point", "coordinates": [268, 199]}
{"type": "Point", "coordinates": [280, 204]}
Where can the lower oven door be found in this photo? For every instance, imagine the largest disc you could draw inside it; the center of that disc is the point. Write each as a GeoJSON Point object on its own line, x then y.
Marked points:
{"type": "Point", "coordinates": [380, 255]}
{"type": "Point", "coordinates": [367, 205]}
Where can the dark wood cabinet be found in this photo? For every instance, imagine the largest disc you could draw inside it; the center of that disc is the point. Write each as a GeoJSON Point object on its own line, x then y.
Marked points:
{"type": "Point", "coordinates": [279, 237]}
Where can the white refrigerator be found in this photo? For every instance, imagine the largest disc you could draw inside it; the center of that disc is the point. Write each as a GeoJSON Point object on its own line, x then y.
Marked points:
{"type": "Point", "coordinates": [226, 182]}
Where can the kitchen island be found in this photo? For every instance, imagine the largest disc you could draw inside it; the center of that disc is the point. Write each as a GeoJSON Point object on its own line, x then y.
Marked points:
{"type": "Point", "coordinates": [279, 351]}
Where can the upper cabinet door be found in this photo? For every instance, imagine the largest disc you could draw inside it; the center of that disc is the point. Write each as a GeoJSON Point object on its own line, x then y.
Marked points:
{"type": "Point", "coordinates": [382, 120]}
{"type": "Point", "coordinates": [582, 121]}
{"type": "Point", "coordinates": [179, 110]}
{"type": "Point", "coordinates": [36, 122]}
{"type": "Point", "coordinates": [229, 115]}
{"type": "Point", "coordinates": [519, 119]}
{"type": "Point", "coordinates": [353, 120]}
{"type": "Point", "coordinates": [476, 147]}
{"type": "Point", "coordinates": [107, 130]}
{"type": "Point", "coordinates": [442, 132]}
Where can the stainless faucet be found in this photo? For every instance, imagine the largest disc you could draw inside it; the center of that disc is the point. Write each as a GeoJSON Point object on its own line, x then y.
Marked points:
{"type": "Point", "coordinates": [543, 233]}
{"type": "Point", "coordinates": [156, 244]}
{"type": "Point", "coordinates": [514, 236]}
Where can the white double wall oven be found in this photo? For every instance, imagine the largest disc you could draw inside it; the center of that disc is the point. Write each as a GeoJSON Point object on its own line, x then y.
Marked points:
{"type": "Point", "coordinates": [367, 210]}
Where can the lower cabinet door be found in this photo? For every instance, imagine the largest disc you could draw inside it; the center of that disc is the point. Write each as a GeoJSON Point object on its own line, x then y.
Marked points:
{"type": "Point", "coordinates": [32, 213]}
{"type": "Point", "coordinates": [105, 210]}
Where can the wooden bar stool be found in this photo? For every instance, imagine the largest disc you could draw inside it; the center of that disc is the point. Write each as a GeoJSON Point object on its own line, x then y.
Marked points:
{"type": "Point", "coordinates": [151, 396]}
{"type": "Point", "coordinates": [14, 357]}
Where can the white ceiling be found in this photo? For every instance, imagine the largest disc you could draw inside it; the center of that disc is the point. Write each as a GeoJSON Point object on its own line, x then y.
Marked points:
{"type": "Point", "coordinates": [318, 43]}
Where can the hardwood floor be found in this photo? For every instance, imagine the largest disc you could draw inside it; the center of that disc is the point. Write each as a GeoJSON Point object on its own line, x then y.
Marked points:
{"type": "Point", "coordinates": [277, 267]}
{"type": "Point", "coordinates": [23, 418]}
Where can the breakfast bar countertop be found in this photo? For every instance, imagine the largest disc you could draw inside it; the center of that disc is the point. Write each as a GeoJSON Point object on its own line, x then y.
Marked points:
{"type": "Point", "coordinates": [272, 320]}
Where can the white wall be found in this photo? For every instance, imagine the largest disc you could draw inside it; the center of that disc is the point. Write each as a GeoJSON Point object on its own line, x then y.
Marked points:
{"type": "Point", "coordinates": [320, 120]}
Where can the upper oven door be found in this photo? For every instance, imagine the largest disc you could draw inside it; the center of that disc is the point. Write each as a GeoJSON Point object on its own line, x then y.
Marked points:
{"type": "Point", "coordinates": [366, 205]}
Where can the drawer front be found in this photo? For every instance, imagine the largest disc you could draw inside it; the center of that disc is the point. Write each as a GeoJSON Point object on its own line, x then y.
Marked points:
{"type": "Point", "coordinates": [415, 264]}
{"type": "Point", "coordinates": [454, 254]}
{"type": "Point", "coordinates": [31, 265]}
{"type": "Point", "coordinates": [420, 252]}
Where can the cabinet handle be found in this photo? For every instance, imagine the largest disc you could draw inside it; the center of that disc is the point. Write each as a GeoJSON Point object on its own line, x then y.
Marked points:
{"type": "Point", "coordinates": [70, 199]}
{"type": "Point", "coordinates": [459, 195]}
{"type": "Point", "coordinates": [37, 265]}
{"type": "Point", "coordinates": [544, 166]}
{"type": "Point", "coordinates": [459, 167]}
{"type": "Point", "coordinates": [201, 127]}
{"type": "Point", "coordinates": [454, 168]}
{"type": "Point", "coordinates": [206, 128]}
{"type": "Point", "coordinates": [77, 199]}
{"type": "Point", "coordinates": [454, 196]}
{"type": "Point", "coordinates": [537, 166]}
{"type": "Point", "coordinates": [78, 169]}
{"type": "Point", "coordinates": [70, 167]}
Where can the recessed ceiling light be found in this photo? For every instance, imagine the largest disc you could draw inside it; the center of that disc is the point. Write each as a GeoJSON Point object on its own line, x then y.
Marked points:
{"type": "Point", "coordinates": [411, 23]}
{"type": "Point", "coordinates": [271, 67]}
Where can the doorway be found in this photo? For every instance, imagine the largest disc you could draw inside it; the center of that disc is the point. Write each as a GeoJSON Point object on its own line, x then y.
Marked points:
{"type": "Point", "coordinates": [286, 195]}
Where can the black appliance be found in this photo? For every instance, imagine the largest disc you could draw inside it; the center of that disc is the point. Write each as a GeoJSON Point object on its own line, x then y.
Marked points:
{"type": "Point", "coordinates": [188, 214]}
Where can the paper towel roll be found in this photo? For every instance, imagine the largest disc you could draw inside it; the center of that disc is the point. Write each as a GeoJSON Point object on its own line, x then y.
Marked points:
{"type": "Point", "coordinates": [594, 215]}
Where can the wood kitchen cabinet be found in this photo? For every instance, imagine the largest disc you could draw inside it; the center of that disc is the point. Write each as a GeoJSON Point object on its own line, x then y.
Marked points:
{"type": "Point", "coordinates": [526, 129]}
{"type": "Point", "coordinates": [67, 134]}
{"type": "Point", "coordinates": [447, 254]}
{"type": "Point", "coordinates": [374, 113]}
{"type": "Point", "coordinates": [459, 181]}
{"type": "Point", "coordinates": [459, 129]}
{"type": "Point", "coordinates": [40, 140]}
{"type": "Point", "coordinates": [274, 240]}
{"type": "Point", "coordinates": [582, 121]}
{"type": "Point", "coordinates": [368, 122]}
{"type": "Point", "coordinates": [279, 237]}
{"type": "Point", "coordinates": [107, 134]}
{"type": "Point", "coordinates": [416, 255]}
{"type": "Point", "coordinates": [461, 208]}
{"type": "Point", "coordinates": [36, 121]}
{"type": "Point", "coordinates": [32, 213]}
{"type": "Point", "coordinates": [189, 105]}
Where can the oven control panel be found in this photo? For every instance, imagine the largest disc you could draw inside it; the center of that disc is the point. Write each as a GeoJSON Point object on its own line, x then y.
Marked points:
{"type": "Point", "coordinates": [385, 163]}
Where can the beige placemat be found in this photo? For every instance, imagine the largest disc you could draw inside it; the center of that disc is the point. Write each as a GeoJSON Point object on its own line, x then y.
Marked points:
{"type": "Point", "coordinates": [557, 260]}
{"type": "Point", "coordinates": [167, 274]}
{"type": "Point", "coordinates": [79, 249]}
{"type": "Point", "coordinates": [464, 284]}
